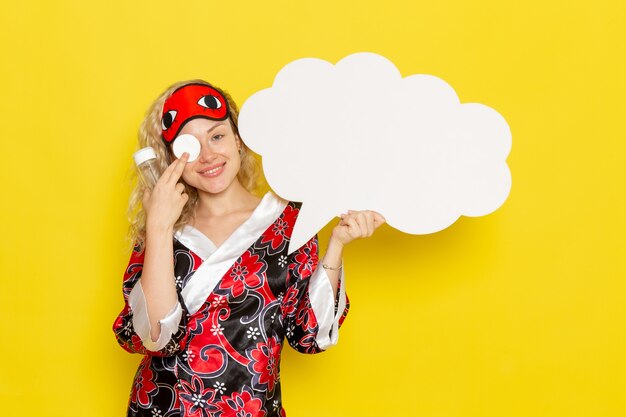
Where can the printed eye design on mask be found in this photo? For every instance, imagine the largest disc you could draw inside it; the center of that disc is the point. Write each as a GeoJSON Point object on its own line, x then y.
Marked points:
{"type": "Point", "coordinates": [168, 119]}
{"type": "Point", "coordinates": [210, 102]}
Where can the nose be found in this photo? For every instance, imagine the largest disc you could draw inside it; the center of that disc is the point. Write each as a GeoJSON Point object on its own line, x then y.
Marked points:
{"type": "Point", "coordinates": [206, 153]}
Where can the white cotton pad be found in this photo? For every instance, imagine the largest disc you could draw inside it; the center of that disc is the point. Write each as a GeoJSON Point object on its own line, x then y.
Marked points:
{"type": "Point", "coordinates": [187, 143]}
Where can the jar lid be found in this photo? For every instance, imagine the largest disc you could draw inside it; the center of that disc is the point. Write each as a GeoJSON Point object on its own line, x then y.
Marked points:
{"type": "Point", "coordinates": [143, 155]}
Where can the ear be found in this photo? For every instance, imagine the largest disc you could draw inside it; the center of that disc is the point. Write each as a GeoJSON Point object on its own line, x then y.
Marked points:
{"type": "Point", "coordinates": [238, 140]}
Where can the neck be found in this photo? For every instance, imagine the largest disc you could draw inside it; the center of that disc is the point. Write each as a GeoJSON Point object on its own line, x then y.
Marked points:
{"type": "Point", "coordinates": [233, 198]}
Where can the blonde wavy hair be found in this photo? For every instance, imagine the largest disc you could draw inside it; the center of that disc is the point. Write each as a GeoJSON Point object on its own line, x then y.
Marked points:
{"type": "Point", "coordinates": [150, 135]}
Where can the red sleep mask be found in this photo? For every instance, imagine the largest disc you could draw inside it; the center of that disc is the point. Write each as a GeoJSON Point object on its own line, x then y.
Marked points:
{"type": "Point", "coordinates": [190, 102]}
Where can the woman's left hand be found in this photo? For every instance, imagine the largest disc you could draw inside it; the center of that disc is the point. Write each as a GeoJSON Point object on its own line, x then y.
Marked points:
{"type": "Point", "coordinates": [356, 225]}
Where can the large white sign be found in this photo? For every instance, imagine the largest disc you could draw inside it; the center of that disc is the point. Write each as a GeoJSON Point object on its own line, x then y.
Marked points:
{"type": "Point", "coordinates": [357, 135]}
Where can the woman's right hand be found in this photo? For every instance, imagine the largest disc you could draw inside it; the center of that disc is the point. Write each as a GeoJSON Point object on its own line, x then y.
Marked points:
{"type": "Point", "coordinates": [164, 203]}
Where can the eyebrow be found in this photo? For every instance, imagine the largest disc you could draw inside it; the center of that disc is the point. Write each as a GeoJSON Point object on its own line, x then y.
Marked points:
{"type": "Point", "coordinates": [216, 126]}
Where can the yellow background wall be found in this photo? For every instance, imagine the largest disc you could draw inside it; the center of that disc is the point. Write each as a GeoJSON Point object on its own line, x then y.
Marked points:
{"type": "Point", "coordinates": [519, 313]}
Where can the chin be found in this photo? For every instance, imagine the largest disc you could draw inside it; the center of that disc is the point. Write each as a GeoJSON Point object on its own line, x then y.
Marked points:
{"type": "Point", "coordinates": [215, 188]}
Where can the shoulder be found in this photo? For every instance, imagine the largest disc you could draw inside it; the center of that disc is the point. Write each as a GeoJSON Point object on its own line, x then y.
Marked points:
{"type": "Point", "coordinates": [286, 210]}
{"type": "Point", "coordinates": [282, 201]}
{"type": "Point", "coordinates": [190, 239]}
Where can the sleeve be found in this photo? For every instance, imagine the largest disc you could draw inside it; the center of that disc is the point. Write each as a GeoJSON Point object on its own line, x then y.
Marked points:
{"type": "Point", "coordinates": [312, 314]}
{"type": "Point", "coordinates": [132, 326]}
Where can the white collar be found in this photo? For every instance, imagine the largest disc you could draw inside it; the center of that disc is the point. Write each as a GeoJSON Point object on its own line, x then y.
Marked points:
{"type": "Point", "coordinates": [201, 245]}
{"type": "Point", "coordinates": [217, 260]}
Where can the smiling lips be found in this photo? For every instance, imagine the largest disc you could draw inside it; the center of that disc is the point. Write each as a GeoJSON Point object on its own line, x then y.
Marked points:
{"type": "Point", "coordinates": [212, 171]}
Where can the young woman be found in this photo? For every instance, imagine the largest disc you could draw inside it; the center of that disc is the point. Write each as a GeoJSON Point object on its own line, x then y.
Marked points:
{"type": "Point", "coordinates": [211, 291]}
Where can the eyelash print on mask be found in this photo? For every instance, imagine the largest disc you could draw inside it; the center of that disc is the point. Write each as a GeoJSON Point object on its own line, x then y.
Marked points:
{"type": "Point", "coordinates": [186, 143]}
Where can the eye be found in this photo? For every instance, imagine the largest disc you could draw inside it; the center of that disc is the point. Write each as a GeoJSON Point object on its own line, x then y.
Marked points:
{"type": "Point", "coordinates": [168, 119]}
{"type": "Point", "coordinates": [210, 102]}
{"type": "Point", "coordinates": [218, 137]}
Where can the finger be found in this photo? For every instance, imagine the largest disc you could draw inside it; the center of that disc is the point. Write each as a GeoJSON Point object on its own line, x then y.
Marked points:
{"type": "Point", "coordinates": [359, 216]}
{"type": "Point", "coordinates": [379, 219]}
{"type": "Point", "coordinates": [179, 168]}
{"type": "Point", "coordinates": [353, 227]}
{"type": "Point", "coordinates": [351, 220]}
{"type": "Point", "coordinates": [168, 171]}
{"type": "Point", "coordinates": [180, 187]}
{"type": "Point", "coordinates": [369, 217]}
{"type": "Point", "coordinates": [181, 203]}
{"type": "Point", "coordinates": [146, 196]}
{"type": "Point", "coordinates": [362, 222]}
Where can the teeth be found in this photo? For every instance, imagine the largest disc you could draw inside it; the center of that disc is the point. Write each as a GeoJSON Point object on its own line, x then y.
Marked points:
{"type": "Point", "coordinates": [212, 170]}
